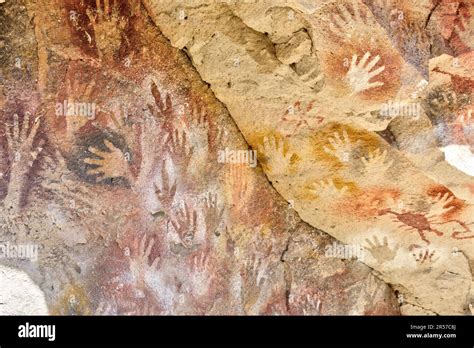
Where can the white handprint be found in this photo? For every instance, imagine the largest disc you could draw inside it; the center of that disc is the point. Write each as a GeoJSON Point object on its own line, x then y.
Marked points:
{"type": "Point", "coordinates": [439, 207]}
{"type": "Point", "coordinates": [359, 75]}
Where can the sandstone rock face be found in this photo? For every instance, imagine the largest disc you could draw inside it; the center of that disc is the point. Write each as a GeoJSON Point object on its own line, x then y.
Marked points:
{"type": "Point", "coordinates": [128, 188]}
{"type": "Point", "coordinates": [361, 113]}
{"type": "Point", "coordinates": [237, 157]}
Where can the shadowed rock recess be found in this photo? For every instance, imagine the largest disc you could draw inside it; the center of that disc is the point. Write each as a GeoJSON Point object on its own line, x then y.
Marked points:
{"type": "Point", "coordinates": [248, 157]}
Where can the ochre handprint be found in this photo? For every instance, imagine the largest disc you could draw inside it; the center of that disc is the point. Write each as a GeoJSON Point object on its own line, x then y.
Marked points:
{"type": "Point", "coordinates": [328, 189]}
{"type": "Point", "coordinates": [277, 156]}
{"type": "Point", "coordinates": [341, 147]}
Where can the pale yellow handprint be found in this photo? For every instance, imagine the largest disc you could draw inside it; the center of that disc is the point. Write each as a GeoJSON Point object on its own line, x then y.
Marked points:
{"type": "Point", "coordinates": [341, 147]}
{"type": "Point", "coordinates": [278, 158]}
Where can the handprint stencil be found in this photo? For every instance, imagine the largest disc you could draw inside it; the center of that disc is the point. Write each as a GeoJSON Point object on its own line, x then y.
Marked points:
{"type": "Point", "coordinates": [360, 73]}
{"type": "Point", "coordinates": [22, 155]}
{"type": "Point", "coordinates": [108, 26]}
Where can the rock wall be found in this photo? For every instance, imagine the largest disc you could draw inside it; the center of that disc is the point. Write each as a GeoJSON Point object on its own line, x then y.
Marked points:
{"type": "Point", "coordinates": [237, 157]}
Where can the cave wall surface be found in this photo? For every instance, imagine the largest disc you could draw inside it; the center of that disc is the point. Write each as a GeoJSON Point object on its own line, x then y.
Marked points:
{"type": "Point", "coordinates": [236, 157]}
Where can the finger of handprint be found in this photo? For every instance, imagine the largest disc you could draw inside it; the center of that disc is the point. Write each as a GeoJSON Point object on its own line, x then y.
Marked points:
{"type": "Point", "coordinates": [89, 87]}
{"type": "Point", "coordinates": [98, 162]}
{"type": "Point", "coordinates": [169, 105]}
{"type": "Point", "coordinates": [334, 142]}
{"type": "Point", "coordinates": [214, 200]}
{"type": "Point", "coordinates": [357, 11]}
{"type": "Point", "coordinates": [372, 63]}
{"type": "Point", "coordinates": [194, 224]}
{"type": "Point", "coordinates": [15, 127]}
{"type": "Point", "coordinates": [374, 84]}
{"type": "Point", "coordinates": [97, 152]}
{"type": "Point", "coordinates": [449, 209]}
{"type": "Point", "coordinates": [92, 17]}
{"type": "Point", "coordinates": [164, 178]}
{"type": "Point", "coordinates": [157, 96]}
{"type": "Point", "coordinates": [115, 121]}
{"type": "Point", "coordinates": [142, 245]}
{"type": "Point", "coordinates": [166, 140]}
{"type": "Point", "coordinates": [109, 145]}
{"type": "Point", "coordinates": [34, 130]}
{"type": "Point", "coordinates": [95, 171]}
{"type": "Point", "coordinates": [377, 241]}
{"type": "Point", "coordinates": [191, 152]}
{"type": "Point", "coordinates": [150, 246]}
{"type": "Point", "coordinates": [175, 225]}
{"type": "Point", "coordinates": [25, 126]}
{"type": "Point", "coordinates": [184, 140]}
{"type": "Point", "coordinates": [364, 59]}
{"type": "Point", "coordinates": [34, 154]}
{"type": "Point", "coordinates": [346, 137]}
{"type": "Point", "coordinates": [185, 212]}
{"type": "Point", "coordinates": [8, 134]}
{"type": "Point", "coordinates": [106, 7]}
{"type": "Point", "coordinates": [345, 14]}
{"type": "Point", "coordinates": [376, 71]}
{"type": "Point", "coordinates": [172, 192]}
{"type": "Point", "coordinates": [339, 21]}
{"type": "Point", "coordinates": [369, 242]}
{"type": "Point", "coordinates": [98, 10]}
{"type": "Point", "coordinates": [447, 198]}
{"type": "Point", "coordinates": [271, 142]}
{"type": "Point", "coordinates": [265, 146]}
{"type": "Point", "coordinates": [175, 139]}
{"type": "Point", "coordinates": [385, 241]}
{"type": "Point", "coordinates": [462, 22]}
{"type": "Point", "coordinates": [157, 190]}
{"type": "Point", "coordinates": [353, 62]}
{"type": "Point", "coordinates": [154, 264]}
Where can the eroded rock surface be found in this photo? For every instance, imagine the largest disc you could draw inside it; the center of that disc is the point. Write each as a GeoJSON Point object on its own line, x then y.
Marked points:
{"type": "Point", "coordinates": [362, 115]}
{"type": "Point", "coordinates": [137, 188]}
